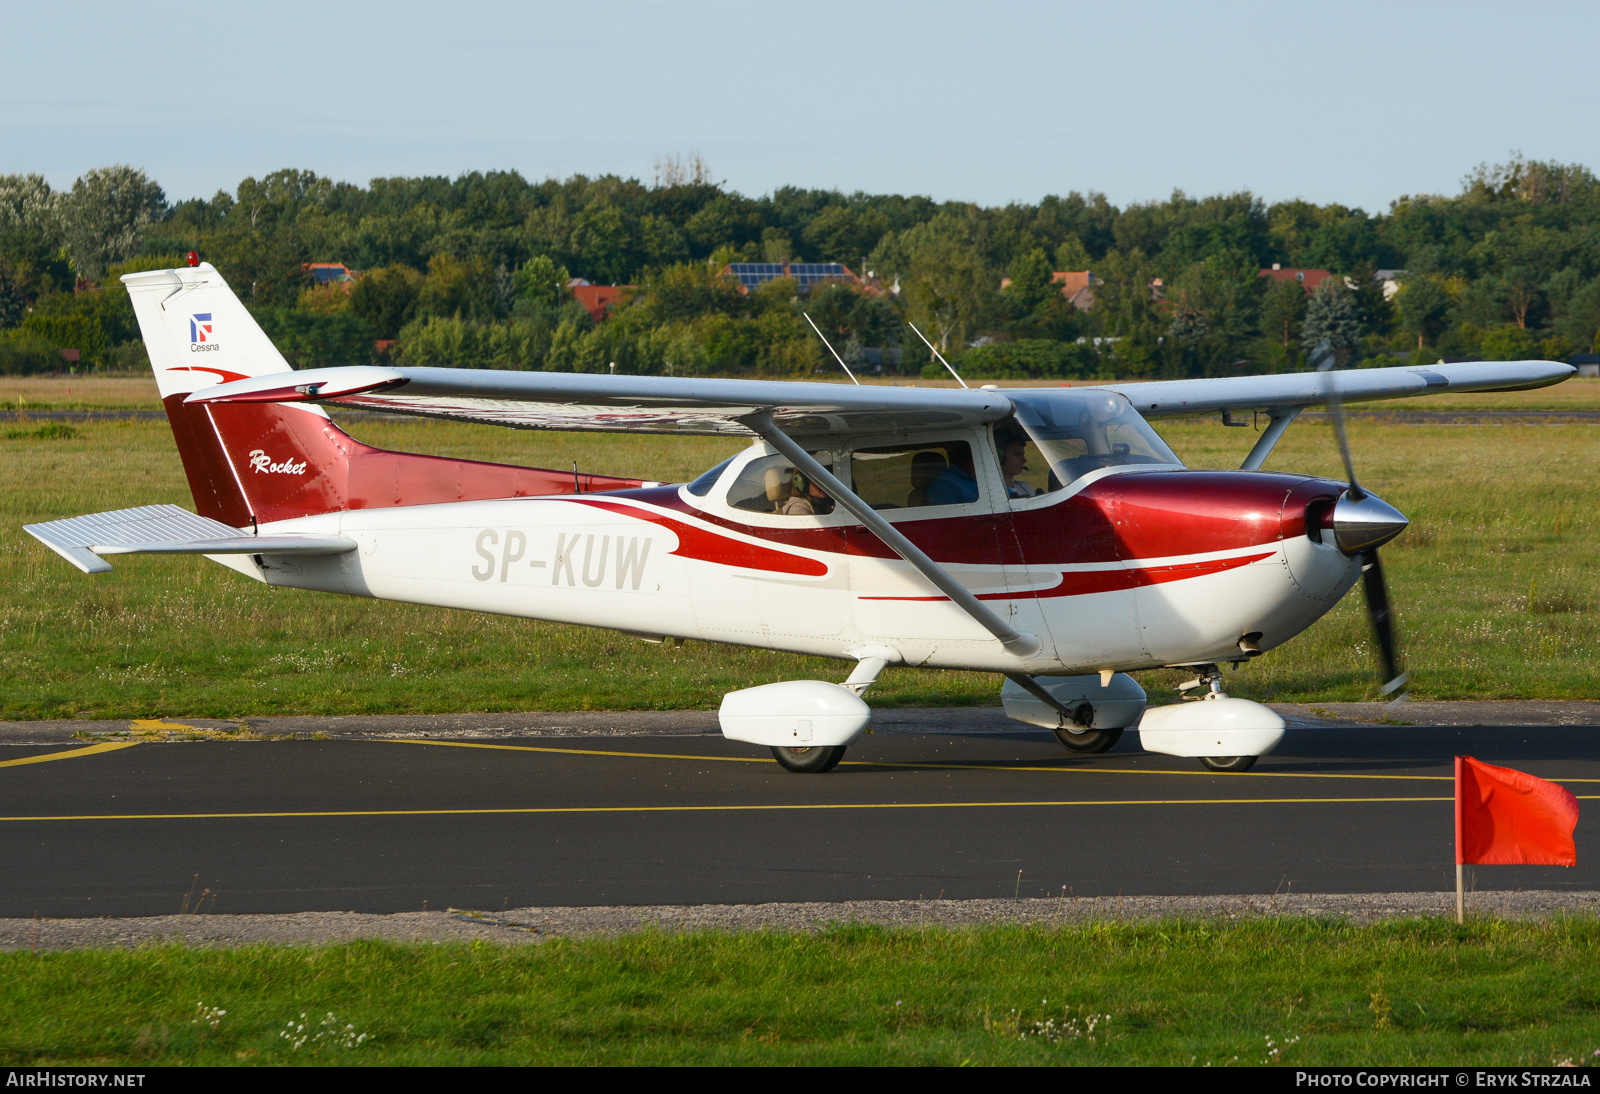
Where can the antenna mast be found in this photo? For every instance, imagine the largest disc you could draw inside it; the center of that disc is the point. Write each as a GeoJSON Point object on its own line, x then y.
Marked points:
{"type": "Point", "coordinates": [831, 350]}
{"type": "Point", "coordinates": [939, 355]}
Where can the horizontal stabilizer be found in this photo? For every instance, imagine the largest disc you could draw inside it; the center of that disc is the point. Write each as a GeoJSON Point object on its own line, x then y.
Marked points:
{"type": "Point", "coordinates": [166, 530]}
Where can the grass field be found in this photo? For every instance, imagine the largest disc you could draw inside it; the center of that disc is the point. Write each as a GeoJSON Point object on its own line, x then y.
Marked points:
{"type": "Point", "coordinates": [1288, 992]}
{"type": "Point", "coordinates": [1496, 584]}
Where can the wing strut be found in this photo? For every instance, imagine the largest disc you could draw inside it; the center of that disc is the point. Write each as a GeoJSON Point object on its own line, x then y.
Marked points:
{"type": "Point", "coordinates": [1280, 419]}
{"type": "Point", "coordinates": [1016, 643]}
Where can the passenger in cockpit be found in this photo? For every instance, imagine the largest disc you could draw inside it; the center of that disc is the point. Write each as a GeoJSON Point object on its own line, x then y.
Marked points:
{"type": "Point", "coordinates": [956, 484]}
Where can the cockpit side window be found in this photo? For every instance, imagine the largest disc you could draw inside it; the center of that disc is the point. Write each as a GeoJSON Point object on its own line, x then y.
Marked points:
{"type": "Point", "coordinates": [1025, 472]}
{"type": "Point", "coordinates": [912, 476]}
{"type": "Point", "coordinates": [772, 485]}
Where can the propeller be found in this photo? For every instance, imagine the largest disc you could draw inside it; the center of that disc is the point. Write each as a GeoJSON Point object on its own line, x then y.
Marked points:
{"type": "Point", "coordinates": [1361, 524]}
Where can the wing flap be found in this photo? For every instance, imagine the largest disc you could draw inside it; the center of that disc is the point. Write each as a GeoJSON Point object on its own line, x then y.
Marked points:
{"type": "Point", "coordinates": [169, 530]}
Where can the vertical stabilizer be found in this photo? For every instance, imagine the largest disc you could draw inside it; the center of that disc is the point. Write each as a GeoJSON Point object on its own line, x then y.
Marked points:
{"type": "Point", "coordinates": [246, 464]}
{"type": "Point", "coordinates": [254, 463]}
{"type": "Point", "coordinates": [196, 331]}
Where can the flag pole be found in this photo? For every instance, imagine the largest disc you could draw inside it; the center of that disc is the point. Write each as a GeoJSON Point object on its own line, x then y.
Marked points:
{"type": "Point", "coordinates": [1461, 907]}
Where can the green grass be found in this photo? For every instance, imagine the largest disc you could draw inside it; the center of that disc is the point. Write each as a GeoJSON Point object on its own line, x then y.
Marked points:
{"type": "Point", "coordinates": [1198, 992]}
{"type": "Point", "coordinates": [1496, 585]}
{"type": "Point", "coordinates": [22, 394]}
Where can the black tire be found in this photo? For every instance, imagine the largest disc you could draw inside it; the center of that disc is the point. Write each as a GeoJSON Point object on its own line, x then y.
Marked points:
{"type": "Point", "coordinates": [1087, 742]}
{"type": "Point", "coordinates": [1228, 763]}
{"type": "Point", "coordinates": [813, 761]}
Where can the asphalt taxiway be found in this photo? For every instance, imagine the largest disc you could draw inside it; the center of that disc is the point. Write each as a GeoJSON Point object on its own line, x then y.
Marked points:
{"type": "Point", "coordinates": [509, 819]}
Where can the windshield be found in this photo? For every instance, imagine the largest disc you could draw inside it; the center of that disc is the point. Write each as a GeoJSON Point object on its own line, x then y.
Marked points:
{"type": "Point", "coordinates": [701, 486]}
{"type": "Point", "coordinates": [770, 484]}
{"type": "Point", "coordinates": [1083, 430]}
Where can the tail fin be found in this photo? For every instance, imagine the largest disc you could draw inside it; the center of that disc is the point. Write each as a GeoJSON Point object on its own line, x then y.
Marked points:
{"type": "Point", "coordinates": [254, 463]}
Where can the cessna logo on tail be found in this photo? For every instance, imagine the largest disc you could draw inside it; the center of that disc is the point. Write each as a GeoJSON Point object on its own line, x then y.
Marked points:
{"type": "Point", "coordinates": [200, 332]}
{"type": "Point", "coordinates": [262, 463]}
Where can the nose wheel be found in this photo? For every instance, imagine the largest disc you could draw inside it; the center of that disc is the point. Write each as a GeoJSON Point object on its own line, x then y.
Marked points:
{"type": "Point", "coordinates": [814, 760]}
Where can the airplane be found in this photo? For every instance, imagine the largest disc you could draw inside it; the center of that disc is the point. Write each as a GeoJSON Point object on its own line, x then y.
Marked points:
{"type": "Point", "coordinates": [1045, 534]}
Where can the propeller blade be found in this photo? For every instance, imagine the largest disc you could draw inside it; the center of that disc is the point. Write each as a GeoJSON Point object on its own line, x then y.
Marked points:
{"type": "Point", "coordinates": [1330, 393]}
{"type": "Point", "coordinates": [1377, 593]}
{"type": "Point", "coordinates": [1372, 583]}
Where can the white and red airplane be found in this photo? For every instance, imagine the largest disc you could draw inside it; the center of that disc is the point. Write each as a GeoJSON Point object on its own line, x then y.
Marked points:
{"type": "Point", "coordinates": [1046, 534]}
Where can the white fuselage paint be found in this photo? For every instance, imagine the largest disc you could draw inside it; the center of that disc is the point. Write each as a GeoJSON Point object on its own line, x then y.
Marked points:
{"type": "Point", "coordinates": [565, 560]}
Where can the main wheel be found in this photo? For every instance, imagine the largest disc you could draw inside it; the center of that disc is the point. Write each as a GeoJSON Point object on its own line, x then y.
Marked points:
{"type": "Point", "coordinates": [1088, 741]}
{"type": "Point", "coordinates": [813, 760]}
{"type": "Point", "coordinates": [1228, 763]}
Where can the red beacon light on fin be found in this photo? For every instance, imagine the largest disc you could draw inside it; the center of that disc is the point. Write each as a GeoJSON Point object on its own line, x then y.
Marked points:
{"type": "Point", "coordinates": [193, 257]}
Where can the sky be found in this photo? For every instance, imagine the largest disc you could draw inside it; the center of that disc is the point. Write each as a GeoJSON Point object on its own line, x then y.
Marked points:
{"type": "Point", "coordinates": [992, 102]}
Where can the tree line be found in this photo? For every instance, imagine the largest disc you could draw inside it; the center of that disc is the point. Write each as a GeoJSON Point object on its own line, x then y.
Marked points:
{"type": "Point", "coordinates": [474, 271]}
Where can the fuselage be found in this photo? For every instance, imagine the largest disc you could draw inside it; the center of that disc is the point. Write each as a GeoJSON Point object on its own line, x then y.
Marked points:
{"type": "Point", "coordinates": [1125, 569]}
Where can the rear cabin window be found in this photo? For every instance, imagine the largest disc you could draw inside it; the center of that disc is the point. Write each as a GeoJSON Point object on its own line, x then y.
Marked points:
{"type": "Point", "coordinates": [914, 476]}
{"type": "Point", "coordinates": [774, 486]}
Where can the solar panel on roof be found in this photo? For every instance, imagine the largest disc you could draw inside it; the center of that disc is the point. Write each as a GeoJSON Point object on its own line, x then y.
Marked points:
{"type": "Point", "coordinates": [751, 275]}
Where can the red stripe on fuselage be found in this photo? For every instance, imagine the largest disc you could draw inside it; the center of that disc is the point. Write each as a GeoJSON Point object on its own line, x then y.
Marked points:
{"type": "Point", "coordinates": [1120, 518]}
{"type": "Point", "coordinates": [704, 546]}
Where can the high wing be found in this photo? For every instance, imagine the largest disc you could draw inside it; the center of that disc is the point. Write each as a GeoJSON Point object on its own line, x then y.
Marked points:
{"type": "Point", "coordinates": [665, 404]}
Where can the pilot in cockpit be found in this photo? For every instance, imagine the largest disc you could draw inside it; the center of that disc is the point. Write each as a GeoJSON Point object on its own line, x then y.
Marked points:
{"type": "Point", "coordinates": [1012, 445]}
{"type": "Point", "coordinates": [806, 499]}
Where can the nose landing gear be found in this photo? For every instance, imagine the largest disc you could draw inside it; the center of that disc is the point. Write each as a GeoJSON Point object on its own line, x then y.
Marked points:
{"type": "Point", "coordinates": [1228, 763]}
{"type": "Point", "coordinates": [1223, 733]}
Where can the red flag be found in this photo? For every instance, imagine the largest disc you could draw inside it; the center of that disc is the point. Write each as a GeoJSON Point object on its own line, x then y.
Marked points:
{"type": "Point", "coordinates": [1506, 817]}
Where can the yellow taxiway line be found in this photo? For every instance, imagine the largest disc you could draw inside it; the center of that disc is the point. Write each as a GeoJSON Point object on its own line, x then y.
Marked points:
{"type": "Point", "coordinates": [69, 754]}
{"type": "Point", "coordinates": [703, 808]}
{"type": "Point", "coordinates": [935, 766]}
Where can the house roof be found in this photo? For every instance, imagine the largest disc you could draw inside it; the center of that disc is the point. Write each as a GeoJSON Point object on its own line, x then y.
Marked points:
{"type": "Point", "coordinates": [1073, 282]}
{"type": "Point", "coordinates": [597, 298]}
{"type": "Point", "coordinates": [324, 273]}
{"type": "Point", "coordinates": [1309, 278]}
